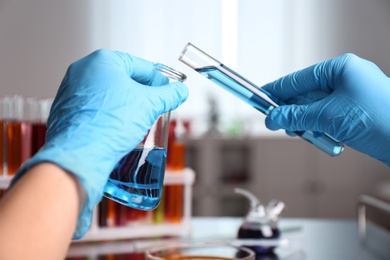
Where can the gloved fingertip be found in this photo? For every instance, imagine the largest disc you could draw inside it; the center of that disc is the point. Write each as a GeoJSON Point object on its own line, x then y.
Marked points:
{"type": "Point", "coordinates": [291, 133]}
{"type": "Point", "coordinates": [171, 95]}
{"type": "Point", "coordinates": [271, 124]}
{"type": "Point", "coordinates": [181, 89]}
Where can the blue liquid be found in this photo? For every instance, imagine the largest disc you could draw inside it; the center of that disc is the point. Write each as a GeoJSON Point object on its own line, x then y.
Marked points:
{"type": "Point", "coordinates": [137, 179]}
{"type": "Point", "coordinates": [252, 95]}
{"type": "Point", "coordinates": [236, 89]}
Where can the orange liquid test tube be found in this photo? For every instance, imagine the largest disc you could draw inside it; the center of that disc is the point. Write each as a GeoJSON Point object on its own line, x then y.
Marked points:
{"type": "Point", "coordinates": [18, 145]}
{"type": "Point", "coordinates": [175, 193]}
{"type": "Point", "coordinates": [17, 132]}
{"type": "Point", "coordinates": [3, 116]}
{"type": "Point", "coordinates": [2, 148]}
{"type": "Point", "coordinates": [111, 213]}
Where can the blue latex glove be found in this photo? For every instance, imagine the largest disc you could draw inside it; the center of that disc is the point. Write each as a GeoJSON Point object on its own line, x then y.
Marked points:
{"type": "Point", "coordinates": [347, 97]}
{"type": "Point", "coordinates": [104, 107]}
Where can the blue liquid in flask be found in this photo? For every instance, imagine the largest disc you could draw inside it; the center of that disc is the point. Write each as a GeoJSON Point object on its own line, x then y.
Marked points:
{"type": "Point", "coordinates": [260, 100]}
{"type": "Point", "coordinates": [137, 180]}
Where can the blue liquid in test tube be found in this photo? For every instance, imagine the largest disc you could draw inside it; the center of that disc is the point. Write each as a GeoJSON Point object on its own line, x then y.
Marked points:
{"type": "Point", "coordinates": [250, 93]}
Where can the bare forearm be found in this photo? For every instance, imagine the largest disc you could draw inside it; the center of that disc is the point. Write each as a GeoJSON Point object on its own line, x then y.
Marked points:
{"type": "Point", "coordinates": [42, 206]}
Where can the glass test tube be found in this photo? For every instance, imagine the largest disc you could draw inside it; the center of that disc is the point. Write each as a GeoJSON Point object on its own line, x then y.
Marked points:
{"type": "Point", "coordinates": [3, 138]}
{"type": "Point", "coordinates": [174, 193]}
{"type": "Point", "coordinates": [248, 92]}
{"type": "Point", "coordinates": [18, 133]}
{"type": "Point", "coordinates": [38, 113]}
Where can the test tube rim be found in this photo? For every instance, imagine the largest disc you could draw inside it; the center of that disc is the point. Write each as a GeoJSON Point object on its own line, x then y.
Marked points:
{"type": "Point", "coordinates": [206, 58]}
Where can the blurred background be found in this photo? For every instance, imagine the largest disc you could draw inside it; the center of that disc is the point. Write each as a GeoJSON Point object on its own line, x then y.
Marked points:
{"type": "Point", "coordinates": [228, 145]}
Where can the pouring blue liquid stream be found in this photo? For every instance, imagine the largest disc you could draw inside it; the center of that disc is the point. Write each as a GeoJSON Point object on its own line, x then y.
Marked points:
{"type": "Point", "coordinates": [250, 93]}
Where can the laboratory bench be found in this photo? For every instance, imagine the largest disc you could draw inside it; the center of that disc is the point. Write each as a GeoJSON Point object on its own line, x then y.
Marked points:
{"type": "Point", "coordinates": [313, 239]}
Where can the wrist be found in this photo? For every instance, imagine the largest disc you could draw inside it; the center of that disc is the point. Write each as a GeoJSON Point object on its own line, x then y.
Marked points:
{"type": "Point", "coordinates": [90, 169]}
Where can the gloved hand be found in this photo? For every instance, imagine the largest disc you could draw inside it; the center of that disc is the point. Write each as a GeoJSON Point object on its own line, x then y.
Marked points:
{"type": "Point", "coordinates": [347, 97]}
{"type": "Point", "coordinates": [104, 107]}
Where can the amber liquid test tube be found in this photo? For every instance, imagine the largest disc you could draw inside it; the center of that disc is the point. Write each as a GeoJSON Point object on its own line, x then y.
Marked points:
{"type": "Point", "coordinates": [3, 137]}
{"type": "Point", "coordinates": [19, 144]}
{"type": "Point", "coordinates": [2, 148]}
{"type": "Point", "coordinates": [175, 193]}
{"type": "Point", "coordinates": [17, 132]}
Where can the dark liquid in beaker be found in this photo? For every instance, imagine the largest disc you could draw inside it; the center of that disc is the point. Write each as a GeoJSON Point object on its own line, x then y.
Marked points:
{"type": "Point", "coordinates": [247, 233]}
{"type": "Point", "coordinates": [137, 179]}
{"type": "Point", "coordinates": [198, 258]}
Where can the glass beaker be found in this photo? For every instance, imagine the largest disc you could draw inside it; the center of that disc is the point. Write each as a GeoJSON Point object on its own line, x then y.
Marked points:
{"type": "Point", "coordinates": [137, 179]}
{"type": "Point", "coordinates": [199, 250]}
{"type": "Point", "coordinates": [249, 92]}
